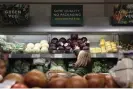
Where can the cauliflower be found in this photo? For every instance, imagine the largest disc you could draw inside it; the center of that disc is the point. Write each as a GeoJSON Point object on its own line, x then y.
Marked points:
{"type": "Point", "coordinates": [36, 50]}
{"type": "Point", "coordinates": [38, 45]}
{"type": "Point", "coordinates": [28, 50]}
{"type": "Point", "coordinates": [43, 42]}
{"type": "Point", "coordinates": [30, 45]}
{"type": "Point", "coordinates": [45, 45]}
{"type": "Point", "coordinates": [44, 50]}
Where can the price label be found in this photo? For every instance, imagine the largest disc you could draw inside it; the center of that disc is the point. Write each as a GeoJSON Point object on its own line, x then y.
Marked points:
{"type": "Point", "coordinates": [58, 55]}
{"type": "Point", "coordinates": [70, 65]}
{"type": "Point", "coordinates": [110, 55]}
{"type": "Point", "coordinates": [101, 55]}
{"type": "Point", "coordinates": [94, 55]}
{"type": "Point", "coordinates": [10, 55]}
{"type": "Point", "coordinates": [35, 56]}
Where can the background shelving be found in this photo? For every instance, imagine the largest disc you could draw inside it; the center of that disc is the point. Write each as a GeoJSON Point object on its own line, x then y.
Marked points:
{"type": "Point", "coordinates": [66, 56]}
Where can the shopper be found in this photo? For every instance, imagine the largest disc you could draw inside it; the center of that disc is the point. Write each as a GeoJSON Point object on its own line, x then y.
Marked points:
{"type": "Point", "coordinates": [83, 64]}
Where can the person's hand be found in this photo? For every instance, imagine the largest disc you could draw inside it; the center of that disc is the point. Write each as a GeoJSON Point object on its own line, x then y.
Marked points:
{"type": "Point", "coordinates": [74, 65]}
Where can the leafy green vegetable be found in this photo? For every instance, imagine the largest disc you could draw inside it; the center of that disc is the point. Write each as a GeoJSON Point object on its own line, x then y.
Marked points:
{"type": "Point", "coordinates": [99, 67]}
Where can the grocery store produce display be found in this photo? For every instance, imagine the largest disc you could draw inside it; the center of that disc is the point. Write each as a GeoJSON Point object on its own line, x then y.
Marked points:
{"type": "Point", "coordinates": [41, 47]}
{"type": "Point", "coordinates": [75, 82]}
{"type": "Point", "coordinates": [57, 82]}
{"type": "Point", "coordinates": [9, 47]}
{"type": "Point", "coordinates": [105, 47]}
{"type": "Point", "coordinates": [37, 79]}
{"type": "Point", "coordinates": [95, 80]}
{"type": "Point", "coordinates": [63, 45]}
{"type": "Point", "coordinates": [103, 65]}
{"type": "Point", "coordinates": [99, 67]}
{"type": "Point", "coordinates": [100, 80]}
{"type": "Point", "coordinates": [19, 66]}
{"type": "Point", "coordinates": [16, 77]}
{"type": "Point", "coordinates": [16, 47]}
{"type": "Point", "coordinates": [110, 82]}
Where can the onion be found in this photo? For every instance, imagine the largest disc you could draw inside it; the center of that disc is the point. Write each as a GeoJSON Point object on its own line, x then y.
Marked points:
{"type": "Point", "coordinates": [16, 77]}
{"type": "Point", "coordinates": [110, 83]}
{"type": "Point", "coordinates": [35, 78]}
{"type": "Point", "coordinates": [76, 82]}
{"type": "Point", "coordinates": [95, 80]}
{"type": "Point", "coordinates": [57, 82]}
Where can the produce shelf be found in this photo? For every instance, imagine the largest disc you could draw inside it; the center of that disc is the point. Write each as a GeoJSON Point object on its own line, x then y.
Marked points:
{"type": "Point", "coordinates": [127, 52]}
{"type": "Point", "coordinates": [106, 55]}
{"type": "Point", "coordinates": [42, 56]}
{"type": "Point", "coordinates": [68, 56]}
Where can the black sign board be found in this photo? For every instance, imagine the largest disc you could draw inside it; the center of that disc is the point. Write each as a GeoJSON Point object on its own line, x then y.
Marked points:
{"type": "Point", "coordinates": [67, 15]}
{"type": "Point", "coordinates": [14, 14]}
{"type": "Point", "coordinates": [123, 15]}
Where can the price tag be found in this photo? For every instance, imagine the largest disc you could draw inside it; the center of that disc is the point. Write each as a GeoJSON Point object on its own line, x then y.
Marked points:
{"type": "Point", "coordinates": [70, 65]}
{"type": "Point", "coordinates": [101, 55]}
{"type": "Point", "coordinates": [94, 55]}
{"type": "Point", "coordinates": [110, 55]}
{"type": "Point", "coordinates": [58, 55]}
{"type": "Point", "coordinates": [35, 56]}
{"type": "Point", "coordinates": [10, 55]}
